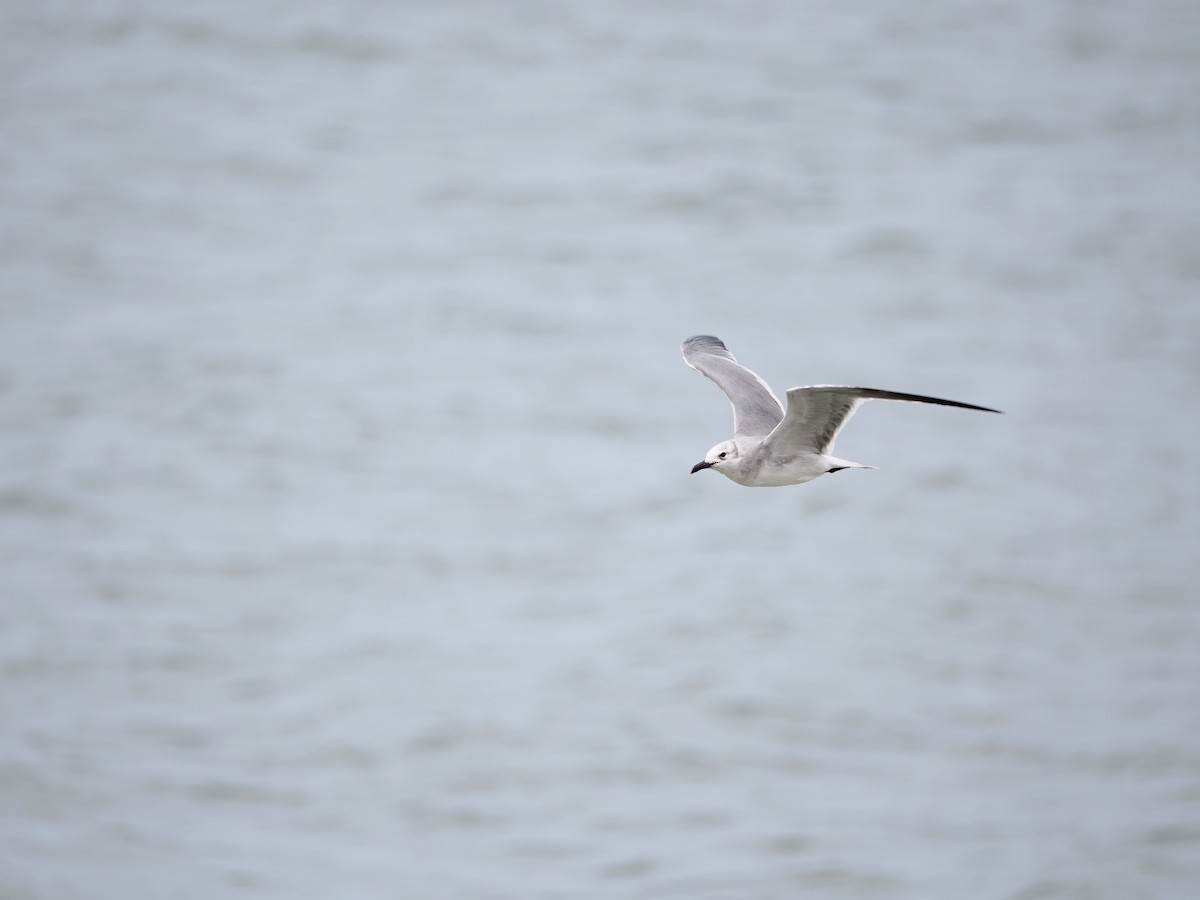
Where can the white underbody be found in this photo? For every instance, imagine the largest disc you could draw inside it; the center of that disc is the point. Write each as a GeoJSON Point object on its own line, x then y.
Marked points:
{"type": "Point", "coordinates": [772, 475]}
{"type": "Point", "coordinates": [757, 466]}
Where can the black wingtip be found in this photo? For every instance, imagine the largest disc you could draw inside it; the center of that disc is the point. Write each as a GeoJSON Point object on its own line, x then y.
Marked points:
{"type": "Point", "coordinates": [998, 412]}
{"type": "Point", "coordinates": [877, 394]}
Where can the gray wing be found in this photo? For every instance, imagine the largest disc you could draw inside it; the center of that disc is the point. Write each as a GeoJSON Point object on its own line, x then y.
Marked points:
{"type": "Point", "coordinates": [756, 410]}
{"type": "Point", "coordinates": [816, 414]}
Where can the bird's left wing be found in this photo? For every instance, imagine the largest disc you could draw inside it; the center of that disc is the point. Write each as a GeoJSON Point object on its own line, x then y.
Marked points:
{"type": "Point", "coordinates": [817, 413]}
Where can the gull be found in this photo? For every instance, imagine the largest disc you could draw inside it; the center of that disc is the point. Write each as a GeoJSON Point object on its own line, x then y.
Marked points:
{"type": "Point", "coordinates": [769, 447]}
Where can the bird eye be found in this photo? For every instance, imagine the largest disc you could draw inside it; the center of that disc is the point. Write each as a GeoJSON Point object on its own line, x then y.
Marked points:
{"type": "Point", "coordinates": [721, 455]}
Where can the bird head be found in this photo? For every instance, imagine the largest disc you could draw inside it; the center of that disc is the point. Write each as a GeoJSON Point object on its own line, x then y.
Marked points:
{"type": "Point", "coordinates": [725, 452]}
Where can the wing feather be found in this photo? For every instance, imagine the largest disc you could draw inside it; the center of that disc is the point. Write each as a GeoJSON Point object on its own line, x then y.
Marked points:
{"type": "Point", "coordinates": [756, 409]}
{"type": "Point", "coordinates": [816, 414]}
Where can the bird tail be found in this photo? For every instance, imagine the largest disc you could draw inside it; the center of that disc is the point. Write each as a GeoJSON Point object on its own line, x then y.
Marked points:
{"type": "Point", "coordinates": [836, 465]}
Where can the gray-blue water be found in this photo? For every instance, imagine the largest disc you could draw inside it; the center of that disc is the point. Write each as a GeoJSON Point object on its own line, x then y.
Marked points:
{"type": "Point", "coordinates": [347, 542]}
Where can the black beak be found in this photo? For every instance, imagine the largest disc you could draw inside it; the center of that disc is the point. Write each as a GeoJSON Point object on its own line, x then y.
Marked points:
{"type": "Point", "coordinates": [701, 465]}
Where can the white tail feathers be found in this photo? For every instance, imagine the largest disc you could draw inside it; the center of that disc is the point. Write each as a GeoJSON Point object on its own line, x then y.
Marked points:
{"type": "Point", "coordinates": [836, 465]}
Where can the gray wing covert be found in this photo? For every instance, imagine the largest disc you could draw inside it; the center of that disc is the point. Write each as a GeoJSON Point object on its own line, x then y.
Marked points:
{"type": "Point", "coordinates": [816, 414]}
{"type": "Point", "coordinates": [814, 417]}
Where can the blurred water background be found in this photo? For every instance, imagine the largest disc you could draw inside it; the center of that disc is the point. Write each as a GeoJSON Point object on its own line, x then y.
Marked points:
{"type": "Point", "coordinates": [348, 544]}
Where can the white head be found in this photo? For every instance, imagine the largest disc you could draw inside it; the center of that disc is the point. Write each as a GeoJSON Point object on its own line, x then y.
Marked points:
{"type": "Point", "coordinates": [725, 453]}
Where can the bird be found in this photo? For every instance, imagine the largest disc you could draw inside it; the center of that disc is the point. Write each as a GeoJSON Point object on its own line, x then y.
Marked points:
{"type": "Point", "coordinates": [771, 447]}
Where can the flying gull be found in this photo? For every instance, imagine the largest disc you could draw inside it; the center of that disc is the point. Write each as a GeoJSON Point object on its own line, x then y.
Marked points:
{"type": "Point", "coordinates": [769, 447]}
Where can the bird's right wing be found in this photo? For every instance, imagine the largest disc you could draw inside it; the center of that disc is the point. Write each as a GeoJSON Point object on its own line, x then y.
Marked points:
{"type": "Point", "coordinates": [756, 410]}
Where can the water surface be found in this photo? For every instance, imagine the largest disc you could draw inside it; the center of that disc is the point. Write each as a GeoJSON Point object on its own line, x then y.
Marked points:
{"type": "Point", "coordinates": [347, 538]}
